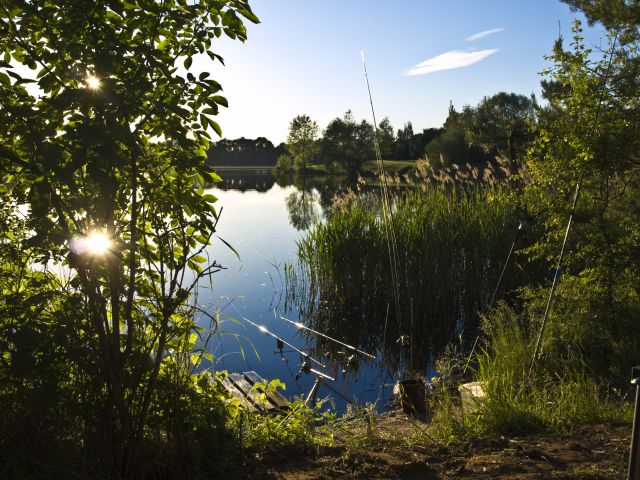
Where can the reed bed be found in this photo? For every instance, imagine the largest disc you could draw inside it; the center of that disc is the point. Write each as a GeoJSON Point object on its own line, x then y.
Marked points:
{"type": "Point", "coordinates": [452, 245]}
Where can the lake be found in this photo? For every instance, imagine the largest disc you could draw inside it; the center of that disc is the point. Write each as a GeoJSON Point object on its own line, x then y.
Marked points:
{"type": "Point", "coordinates": [262, 219]}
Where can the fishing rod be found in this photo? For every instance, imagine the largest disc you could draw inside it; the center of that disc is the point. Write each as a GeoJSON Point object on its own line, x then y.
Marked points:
{"type": "Point", "coordinates": [576, 196]}
{"type": "Point", "coordinates": [305, 367]}
{"type": "Point", "coordinates": [495, 291]}
{"type": "Point", "coordinates": [387, 211]}
{"type": "Point", "coordinates": [279, 340]}
{"type": "Point", "coordinates": [346, 345]}
{"type": "Point", "coordinates": [387, 214]}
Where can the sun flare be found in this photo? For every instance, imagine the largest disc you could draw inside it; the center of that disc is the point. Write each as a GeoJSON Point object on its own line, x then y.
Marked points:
{"type": "Point", "coordinates": [97, 243]}
{"type": "Point", "coordinates": [93, 82]}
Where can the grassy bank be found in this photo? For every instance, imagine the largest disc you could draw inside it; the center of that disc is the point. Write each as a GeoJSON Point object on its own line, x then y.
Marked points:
{"type": "Point", "coordinates": [556, 396]}
{"type": "Point", "coordinates": [452, 246]}
{"type": "Point", "coordinates": [369, 168]}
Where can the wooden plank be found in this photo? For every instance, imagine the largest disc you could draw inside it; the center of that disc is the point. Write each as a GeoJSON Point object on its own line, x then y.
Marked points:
{"type": "Point", "coordinates": [237, 393]}
{"type": "Point", "coordinates": [274, 396]}
{"type": "Point", "coordinates": [253, 395]}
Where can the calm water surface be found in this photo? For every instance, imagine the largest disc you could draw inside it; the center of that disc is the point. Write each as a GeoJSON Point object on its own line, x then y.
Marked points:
{"type": "Point", "coordinates": [262, 221]}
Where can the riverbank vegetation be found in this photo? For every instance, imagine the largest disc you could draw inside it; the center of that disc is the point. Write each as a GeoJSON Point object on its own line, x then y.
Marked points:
{"type": "Point", "coordinates": [104, 224]}
{"type": "Point", "coordinates": [451, 247]}
{"type": "Point", "coordinates": [544, 364]}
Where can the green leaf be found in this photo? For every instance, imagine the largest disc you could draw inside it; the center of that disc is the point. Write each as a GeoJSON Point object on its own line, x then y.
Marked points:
{"type": "Point", "coordinates": [214, 177]}
{"type": "Point", "coordinates": [163, 45]}
{"type": "Point", "coordinates": [214, 57]}
{"type": "Point", "coordinates": [249, 15]}
{"type": "Point", "coordinates": [216, 127]}
{"type": "Point", "coordinates": [220, 100]}
{"type": "Point", "coordinates": [199, 258]}
{"type": "Point", "coordinates": [230, 247]}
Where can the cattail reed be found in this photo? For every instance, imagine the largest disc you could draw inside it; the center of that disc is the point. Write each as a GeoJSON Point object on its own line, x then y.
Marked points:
{"type": "Point", "coordinates": [451, 247]}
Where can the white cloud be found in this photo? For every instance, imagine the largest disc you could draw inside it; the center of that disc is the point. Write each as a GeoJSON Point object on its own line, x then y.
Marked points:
{"type": "Point", "coordinates": [485, 33]}
{"type": "Point", "coordinates": [450, 60]}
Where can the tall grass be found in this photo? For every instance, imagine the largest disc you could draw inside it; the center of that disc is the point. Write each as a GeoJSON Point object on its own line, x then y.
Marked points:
{"type": "Point", "coordinates": [558, 396]}
{"type": "Point", "coordinates": [451, 244]}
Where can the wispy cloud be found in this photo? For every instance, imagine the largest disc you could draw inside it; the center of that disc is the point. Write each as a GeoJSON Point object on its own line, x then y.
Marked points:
{"type": "Point", "coordinates": [450, 60]}
{"type": "Point", "coordinates": [485, 33]}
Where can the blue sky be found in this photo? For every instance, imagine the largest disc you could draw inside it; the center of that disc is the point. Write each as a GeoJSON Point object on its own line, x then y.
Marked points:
{"type": "Point", "coordinates": [305, 58]}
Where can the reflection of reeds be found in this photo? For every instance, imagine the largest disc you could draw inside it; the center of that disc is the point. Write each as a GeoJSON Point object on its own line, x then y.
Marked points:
{"type": "Point", "coordinates": [451, 248]}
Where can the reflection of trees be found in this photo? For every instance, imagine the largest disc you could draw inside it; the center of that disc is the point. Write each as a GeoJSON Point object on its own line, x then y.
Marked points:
{"type": "Point", "coordinates": [303, 208]}
{"type": "Point", "coordinates": [260, 180]}
{"type": "Point", "coordinates": [314, 196]}
{"type": "Point", "coordinates": [243, 152]}
{"type": "Point", "coordinates": [302, 215]}
{"type": "Point", "coordinates": [325, 186]}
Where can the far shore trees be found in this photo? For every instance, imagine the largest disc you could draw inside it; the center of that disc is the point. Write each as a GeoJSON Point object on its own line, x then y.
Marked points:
{"type": "Point", "coordinates": [302, 141]}
{"type": "Point", "coordinates": [347, 143]}
{"type": "Point", "coordinates": [387, 139]}
{"type": "Point", "coordinates": [258, 152]}
{"type": "Point", "coordinates": [501, 124]}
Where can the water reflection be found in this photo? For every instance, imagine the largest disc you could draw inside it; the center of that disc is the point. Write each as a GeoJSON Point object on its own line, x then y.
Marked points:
{"type": "Point", "coordinates": [447, 277]}
{"type": "Point", "coordinates": [260, 220]}
{"type": "Point", "coordinates": [309, 203]}
{"type": "Point", "coordinates": [303, 207]}
{"type": "Point", "coordinates": [242, 180]}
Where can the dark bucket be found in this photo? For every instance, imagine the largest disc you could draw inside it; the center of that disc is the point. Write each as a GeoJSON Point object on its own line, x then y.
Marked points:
{"type": "Point", "coordinates": [412, 396]}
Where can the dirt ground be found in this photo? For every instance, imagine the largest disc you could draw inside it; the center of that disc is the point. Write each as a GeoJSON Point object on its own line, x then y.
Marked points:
{"type": "Point", "coordinates": [593, 452]}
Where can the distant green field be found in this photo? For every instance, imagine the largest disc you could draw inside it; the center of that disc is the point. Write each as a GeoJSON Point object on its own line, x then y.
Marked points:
{"type": "Point", "coordinates": [390, 165]}
{"type": "Point", "coordinates": [242, 167]}
{"type": "Point", "coordinates": [370, 166]}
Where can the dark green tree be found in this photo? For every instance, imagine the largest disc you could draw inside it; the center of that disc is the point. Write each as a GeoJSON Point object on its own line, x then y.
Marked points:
{"type": "Point", "coordinates": [501, 124]}
{"type": "Point", "coordinates": [109, 152]}
{"type": "Point", "coordinates": [451, 146]}
{"type": "Point", "coordinates": [619, 15]}
{"type": "Point", "coordinates": [302, 140]}
{"type": "Point", "coordinates": [405, 149]}
{"type": "Point", "coordinates": [387, 139]}
{"type": "Point", "coordinates": [347, 143]}
{"type": "Point", "coordinates": [422, 139]}
{"type": "Point", "coordinates": [588, 136]}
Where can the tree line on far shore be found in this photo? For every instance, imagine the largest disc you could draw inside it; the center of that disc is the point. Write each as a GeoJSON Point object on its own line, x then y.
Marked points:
{"type": "Point", "coordinates": [498, 126]}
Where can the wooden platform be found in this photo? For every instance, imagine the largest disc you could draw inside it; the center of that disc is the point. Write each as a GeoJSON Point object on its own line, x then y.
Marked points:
{"type": "Point", "coordinates": [240, 386]}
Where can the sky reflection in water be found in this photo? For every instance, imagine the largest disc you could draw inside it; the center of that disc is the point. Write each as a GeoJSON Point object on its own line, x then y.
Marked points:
{"type": "Point", "coordinates": [258, 224]}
